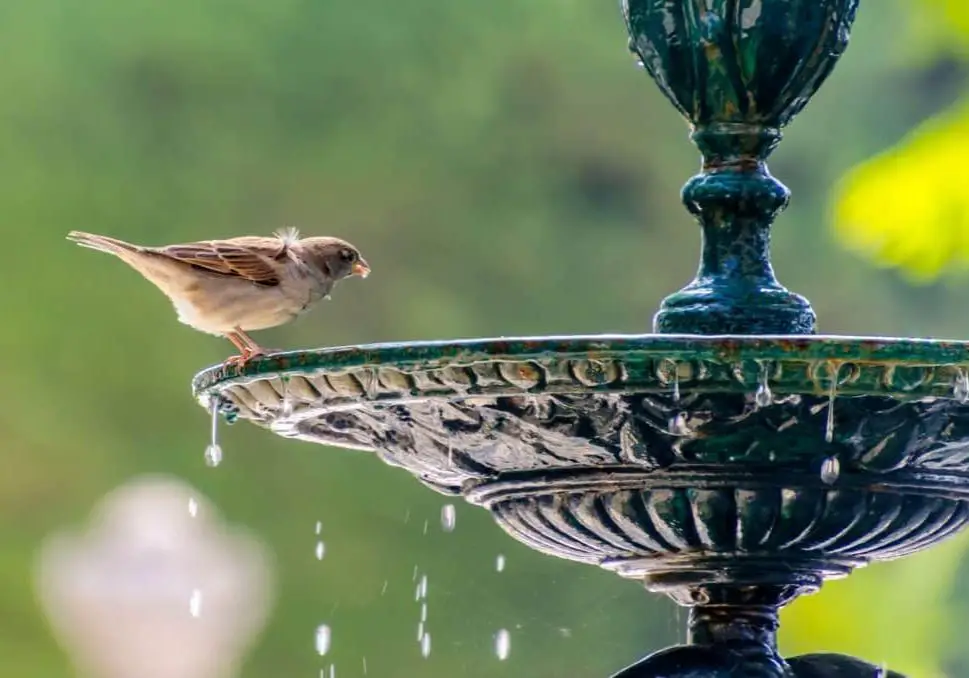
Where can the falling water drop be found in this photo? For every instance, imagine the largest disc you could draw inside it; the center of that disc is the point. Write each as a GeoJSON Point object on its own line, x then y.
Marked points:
{"type": "Point", "coordinates": [426, 525]}
{"type": "Point", "coordinates": [830, 470]}
{"type": "Point", "coordinates": [364, 666]}
{"type": "Point", "coordinates": [323, 637]}
{"type": "Point", "coordinates": [319, 527]}
{"type": "Point", "coordinates": [960, 390]}
{"type": "Point", "coordinates": [676, 383]}
{"type": "Point", "coordinates": [420, 631]}
{"type": "Point", "coordinates": [500, 563]}
{"type": "Point", "coordinates": [423, 612]}
{"type": "Point", "coordinates": [448, 517]}
{"type": "Point", "coordinates": [383, 589]}
{"type": "Point", "coordinates": [213, 453]}
{"type": "Point", "coordinates": [195, 603]}
{"type": "Point", "coordinates": [426, 645]}
{"type": "Point", "coordinates": [193, 507]}
{"type": "Point", "coordinates": [832, 392]}
{"type": "Point", "coordinates": [332, 670]}
{"type": "Point", "coordinates": [320, 550]}
{"type": "Point", "coordinates": [422, 588]}
{"type": "Point", "coordinates": [763, 397]}
{"type": "Point", "coordinates": [502, 644]}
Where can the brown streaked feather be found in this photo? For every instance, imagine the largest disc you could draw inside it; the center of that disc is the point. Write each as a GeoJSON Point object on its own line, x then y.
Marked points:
{"type": "Point", "coordinates": [250, 258]}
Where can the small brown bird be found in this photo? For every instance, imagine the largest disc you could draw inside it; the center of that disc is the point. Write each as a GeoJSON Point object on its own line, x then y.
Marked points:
{"type": "Point", "coordinates": [230, 287]}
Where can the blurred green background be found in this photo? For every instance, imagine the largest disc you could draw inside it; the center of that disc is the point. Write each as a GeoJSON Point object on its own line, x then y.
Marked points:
{"type": "Point", "coordinates": [506, 170]}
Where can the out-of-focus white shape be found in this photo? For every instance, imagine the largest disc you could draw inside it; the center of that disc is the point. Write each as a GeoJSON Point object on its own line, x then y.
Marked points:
{"type": "Point", "coordinates": [150, 590]}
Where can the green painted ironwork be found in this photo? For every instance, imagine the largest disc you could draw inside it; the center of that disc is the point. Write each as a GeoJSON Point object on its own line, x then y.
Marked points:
{"type": "Point", "coordinates": [734, 460]}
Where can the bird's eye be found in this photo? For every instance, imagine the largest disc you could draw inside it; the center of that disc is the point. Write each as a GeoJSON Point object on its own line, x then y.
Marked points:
{"type": "Point", "coordinates": [348, 255]}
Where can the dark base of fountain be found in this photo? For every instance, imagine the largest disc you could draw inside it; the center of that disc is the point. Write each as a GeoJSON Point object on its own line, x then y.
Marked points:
{"type": "Point", "coordinates": [733, 634]}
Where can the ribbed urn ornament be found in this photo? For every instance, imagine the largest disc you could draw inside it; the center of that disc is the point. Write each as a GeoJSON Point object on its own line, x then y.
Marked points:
{"type": "Point", "coordinates": [156, 587]}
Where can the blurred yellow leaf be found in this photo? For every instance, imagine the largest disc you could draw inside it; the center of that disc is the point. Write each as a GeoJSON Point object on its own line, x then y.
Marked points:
{"type": "Point", "coordinates": [909, 207]}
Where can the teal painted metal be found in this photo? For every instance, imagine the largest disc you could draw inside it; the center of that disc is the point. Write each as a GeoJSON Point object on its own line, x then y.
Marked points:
{"type": "Point", "coordinates": [733, 461]}
{"type": "Point", "coordinates": [738, 71]}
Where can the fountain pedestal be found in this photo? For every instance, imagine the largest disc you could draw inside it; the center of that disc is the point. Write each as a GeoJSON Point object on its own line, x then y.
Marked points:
{"type": "Point", "coordinates": [734, 460]}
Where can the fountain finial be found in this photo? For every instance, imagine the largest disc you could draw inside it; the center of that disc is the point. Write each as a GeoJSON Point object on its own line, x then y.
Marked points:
{"type": "Point", "coordinates": [738, 71]}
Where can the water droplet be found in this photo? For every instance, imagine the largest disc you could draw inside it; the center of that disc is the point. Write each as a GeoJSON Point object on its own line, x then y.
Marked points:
{"type": "Point", "coordinates": [426, 645]}
{"type": "Point", "coordinates": [332, 670]}
{"type": "Point", "coordinates": [193, 507]}
{"type": "Point", "coordinates": [676, 383]}
{"type": "Point", "coordinates": [960, 390]}
{"type": "Point", "coordinates": [364, 666]}
{"type": "Point", "coordinates": [678, 424]}
{"type": "Point", "coordinates": [502, 644]}
{"type": "Point", "coordinates": [420, 631]}
{"type": "Point", "coordinates": [448, 517]}
{"type": "Point", "coordinates": [319, 527]}
{"type": "Point", "coordinates": [213, 455]}
{"type": "Point", "coordinates": [414, 577]}
{"type": "Point", "coordinates": [426, 524]}
{"type": "Point", "coordinates": [383, 589]}
{"type": "Point", "coordinates": [763, 397]}
{"type": "Point", "coordinates": [830, 470]}
{"type": "Point", "coordinates": [832, 392]}
{"type": "Point", "coordinates": [421, 592]}
{"type": "Point", "coordinates": [195, 603]}
{"type": "Point", "coordinates": [323, 638]}
{"type": "Point", "coordinates": [500, 563]}
{"type": "Point", "coordinates": [423, 612]}
{"type": "Point", "coordinates": [320, 550]}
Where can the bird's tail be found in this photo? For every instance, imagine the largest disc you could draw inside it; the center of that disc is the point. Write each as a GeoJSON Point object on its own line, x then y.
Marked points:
{"type": "Point", "coordinates": [102, 243]}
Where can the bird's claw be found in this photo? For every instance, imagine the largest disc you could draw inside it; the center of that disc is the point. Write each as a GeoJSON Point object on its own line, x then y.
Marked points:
{"type": "Point", "coordinates": [242, 360]}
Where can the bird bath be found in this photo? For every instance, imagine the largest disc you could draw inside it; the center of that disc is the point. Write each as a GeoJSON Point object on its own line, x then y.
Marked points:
{"type": "Point", "coordinates": [734, 459]}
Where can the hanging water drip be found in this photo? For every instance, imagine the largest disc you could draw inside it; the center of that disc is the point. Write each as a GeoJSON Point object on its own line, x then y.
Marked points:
{"type": "Point", "coordinates": [832, 393]}
{"type": "Point", "coordinates": [830, 470]}
{"type": "Point", "coordinates": [763, 396]}
{"type": "Point", "coordinates": [286, 408]}
{"type": "Point", "coordinates": [960, 389]}
{"type": "Point", "coordinates": [676, 384]}
{"type": "Point", "coordinates": [678, 424]}
{"type": "Point", "coordinates": [213, 453]}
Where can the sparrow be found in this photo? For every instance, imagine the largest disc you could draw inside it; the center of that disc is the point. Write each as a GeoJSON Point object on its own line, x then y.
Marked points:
{"type": "Point", "coordinates": [230, 287]}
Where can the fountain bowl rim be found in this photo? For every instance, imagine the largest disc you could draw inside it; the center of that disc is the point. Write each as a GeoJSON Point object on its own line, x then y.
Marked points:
{"type": "Point", "coordinates": [918, 352]}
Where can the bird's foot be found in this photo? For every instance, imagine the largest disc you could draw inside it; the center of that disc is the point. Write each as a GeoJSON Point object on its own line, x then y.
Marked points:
{"type": "Point", "coordinates": [241, 360]}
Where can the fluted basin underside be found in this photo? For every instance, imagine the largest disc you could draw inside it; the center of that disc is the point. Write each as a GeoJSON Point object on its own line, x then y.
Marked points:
{"type": "Point", "coordinates": [680, 460]}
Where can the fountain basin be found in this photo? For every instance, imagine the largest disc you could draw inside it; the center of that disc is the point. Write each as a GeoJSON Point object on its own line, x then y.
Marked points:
{"type": "Point", "coordinates": [678, 460]}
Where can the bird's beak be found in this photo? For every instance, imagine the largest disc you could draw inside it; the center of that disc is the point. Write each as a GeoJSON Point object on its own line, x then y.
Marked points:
{"type": "Point", "coordinates": [361, 268]}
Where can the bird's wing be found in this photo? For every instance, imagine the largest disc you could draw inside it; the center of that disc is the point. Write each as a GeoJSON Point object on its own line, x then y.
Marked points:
{"type": "Point", "coordinates": [249, 258]}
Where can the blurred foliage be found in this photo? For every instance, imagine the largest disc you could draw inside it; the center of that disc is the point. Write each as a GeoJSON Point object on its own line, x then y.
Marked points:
{"type": "Point", "coordinates": [506, 170]}
{"type": "Point", "coordinates": [907, 207]}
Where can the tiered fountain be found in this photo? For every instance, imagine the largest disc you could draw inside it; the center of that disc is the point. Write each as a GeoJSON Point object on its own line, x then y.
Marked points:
{"type": "Point", "coordinates": [733, 460]}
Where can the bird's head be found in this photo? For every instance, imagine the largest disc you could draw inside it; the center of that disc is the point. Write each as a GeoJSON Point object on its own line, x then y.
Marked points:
{"type": "Point", "coordinates": [336, 258]}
